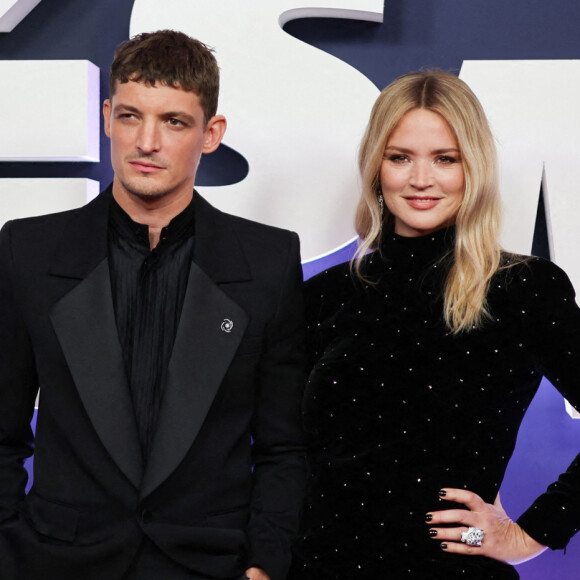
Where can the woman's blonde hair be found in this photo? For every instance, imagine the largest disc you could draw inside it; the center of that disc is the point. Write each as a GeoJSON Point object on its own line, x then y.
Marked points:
{"type": "Point", "coordinates": [477, 249]}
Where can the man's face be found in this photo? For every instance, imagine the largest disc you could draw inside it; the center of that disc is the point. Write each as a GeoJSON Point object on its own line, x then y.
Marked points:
{"type": "Point", "coordinates": [157, 138]}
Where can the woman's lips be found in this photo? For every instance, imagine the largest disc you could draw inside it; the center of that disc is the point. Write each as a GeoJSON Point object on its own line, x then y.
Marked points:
{"type": "Point", "coordinates": [423, 202]}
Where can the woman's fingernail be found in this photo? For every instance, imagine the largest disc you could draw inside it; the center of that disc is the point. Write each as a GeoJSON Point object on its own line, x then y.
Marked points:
{"type": "Point", "coordinates": [442, 493]}
{"type": "Point", "coordinates": [428, 517]}
{"type": "Point", "coordinates": [432, 533]}
{"type": "Point", "coordinates": [443, 546]}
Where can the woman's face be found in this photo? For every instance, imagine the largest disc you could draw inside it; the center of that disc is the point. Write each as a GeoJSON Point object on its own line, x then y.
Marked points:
{"type": "Point", "coordinates": [422, 174]}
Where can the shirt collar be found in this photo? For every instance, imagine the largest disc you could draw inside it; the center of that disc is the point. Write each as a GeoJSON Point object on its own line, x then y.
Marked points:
{"type": "Point", "coordinates": [180, 227]}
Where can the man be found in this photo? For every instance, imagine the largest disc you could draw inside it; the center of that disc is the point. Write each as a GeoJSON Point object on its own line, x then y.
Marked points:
{"type": "Point", "coordinates": [166, 338]}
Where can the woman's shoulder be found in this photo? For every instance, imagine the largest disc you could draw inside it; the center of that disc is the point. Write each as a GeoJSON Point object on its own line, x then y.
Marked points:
{"type": "Point", "coordinates": [329, 291]}
{"type": "Point", "coordinates": [328, 279]}
{"type": "Point", "coordinates": [328, 287]}
{"type": "Point", "coordinates": [538, 275]}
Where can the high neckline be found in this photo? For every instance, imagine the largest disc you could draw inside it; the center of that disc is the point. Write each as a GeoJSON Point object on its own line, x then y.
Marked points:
{"type": "Point", "coordinates": [442, 239]}
{"type": "Point", "coordinates": [411, 255]}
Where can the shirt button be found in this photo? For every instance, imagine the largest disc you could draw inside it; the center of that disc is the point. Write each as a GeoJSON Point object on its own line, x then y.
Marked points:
{"type": "Point", "coordinates": [146, 516]}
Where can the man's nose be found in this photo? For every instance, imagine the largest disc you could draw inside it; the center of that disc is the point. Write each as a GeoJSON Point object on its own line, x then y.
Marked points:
{"type": "Point", "coordinates": [149, 139]}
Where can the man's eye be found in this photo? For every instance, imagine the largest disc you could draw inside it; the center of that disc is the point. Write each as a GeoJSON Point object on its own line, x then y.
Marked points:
{"type": "Point", "coordinates": [175, 122]}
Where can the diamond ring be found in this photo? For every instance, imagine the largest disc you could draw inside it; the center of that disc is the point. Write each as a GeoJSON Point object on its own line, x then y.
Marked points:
{"type": "Point", "coordinates": [473, 536]}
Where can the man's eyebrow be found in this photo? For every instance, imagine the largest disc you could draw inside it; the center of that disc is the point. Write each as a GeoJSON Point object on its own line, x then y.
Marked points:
{"type": "Point", "coordinates": [128, 108]}
{"type": "Point", "coordinates": [186, 117]}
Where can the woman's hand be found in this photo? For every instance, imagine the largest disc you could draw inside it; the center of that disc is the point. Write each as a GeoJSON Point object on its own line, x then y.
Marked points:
{"type": "Point", "coordinates": [504, 540]}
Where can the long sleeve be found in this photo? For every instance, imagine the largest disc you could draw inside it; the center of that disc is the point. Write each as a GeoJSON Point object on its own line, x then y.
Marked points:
{"type": "Point", "coordinates": [18, 386]}
{"type": "Point", "coordinates": [555, 516]}
{"type": "Point", "coordinates": [278, 446]}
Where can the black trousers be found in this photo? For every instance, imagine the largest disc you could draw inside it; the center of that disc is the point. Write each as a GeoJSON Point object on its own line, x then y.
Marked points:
{"type": "Point", "coordinates": [150, 563]}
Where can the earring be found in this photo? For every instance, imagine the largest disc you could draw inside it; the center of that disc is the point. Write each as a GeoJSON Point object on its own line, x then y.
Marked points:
{"type": "Point", "coordinates": [381, 201]}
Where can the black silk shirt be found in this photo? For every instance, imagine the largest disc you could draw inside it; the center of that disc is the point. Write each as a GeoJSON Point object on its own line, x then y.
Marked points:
{"type": "Point", "coordinates": [148, 290]}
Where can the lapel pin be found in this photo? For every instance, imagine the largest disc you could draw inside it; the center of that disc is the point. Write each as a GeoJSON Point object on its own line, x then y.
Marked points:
{"type": "Point", "coordinates": [227, 325]}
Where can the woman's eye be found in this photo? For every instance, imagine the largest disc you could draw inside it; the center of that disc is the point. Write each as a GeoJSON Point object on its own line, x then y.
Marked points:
{"type": "Point", "coordinates": [446, 159]}
{"type": "Point", "coordinates": [397, 158]}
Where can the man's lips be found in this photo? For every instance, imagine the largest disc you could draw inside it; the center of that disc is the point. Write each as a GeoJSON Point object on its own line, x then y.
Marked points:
{"type": "Point", "coordinates": [145, 166]}
{"type": "Point", "coordinates": [422, 202]}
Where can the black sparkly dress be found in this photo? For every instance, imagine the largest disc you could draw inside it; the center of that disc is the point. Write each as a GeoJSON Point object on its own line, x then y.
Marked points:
{"type": "Point", "coordinates": [396, 408]}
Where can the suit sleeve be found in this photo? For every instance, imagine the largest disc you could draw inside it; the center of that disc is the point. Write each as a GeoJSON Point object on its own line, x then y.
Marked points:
{"type": "Point", "coordinates": [18, 386]}
{"type": "Point", "coordinates": [278, 445]}
{"type": "Point", "coordinates": [554, 517]}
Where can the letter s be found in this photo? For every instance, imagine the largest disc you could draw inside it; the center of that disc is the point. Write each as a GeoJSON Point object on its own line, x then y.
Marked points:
{"type": "Point", "coordinates": [294, 112]}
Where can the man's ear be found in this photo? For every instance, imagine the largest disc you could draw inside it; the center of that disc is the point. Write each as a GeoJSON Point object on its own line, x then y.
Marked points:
{"type": "Point", "coordinates": [214, 133]}
{"type": "Point", "coordinates": [107, 117]}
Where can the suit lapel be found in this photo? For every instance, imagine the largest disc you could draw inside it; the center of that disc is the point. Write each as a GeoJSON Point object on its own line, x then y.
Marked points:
{"type": "Point", "coordinates": [84, 321]}
{"type": "Point", "coordinates": [205, 343]}
{"type": "Point", "coordinates": [209, 333]}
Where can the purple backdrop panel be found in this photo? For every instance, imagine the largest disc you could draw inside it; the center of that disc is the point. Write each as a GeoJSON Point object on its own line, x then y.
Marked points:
{"type": "Point", "coordinates": [315, 266]}
{"type": "Point", "coordinates": [29, 463]}
{"type": "Point", "coordinates": [547, 443]}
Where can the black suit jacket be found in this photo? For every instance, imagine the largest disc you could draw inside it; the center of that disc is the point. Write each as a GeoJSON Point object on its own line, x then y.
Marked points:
{"type": "Point", "coordinates": [236, 374]}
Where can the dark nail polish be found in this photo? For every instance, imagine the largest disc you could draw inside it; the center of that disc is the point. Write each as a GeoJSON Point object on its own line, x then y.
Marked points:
{"type": "Point", "coordinates": [442, 493]}
{"type": "Point", "coordinates": [432, 533]}
{"type": "Point", "coordinates": [428, 517]}
{"type": "Point", "coordinates": [443, 546]}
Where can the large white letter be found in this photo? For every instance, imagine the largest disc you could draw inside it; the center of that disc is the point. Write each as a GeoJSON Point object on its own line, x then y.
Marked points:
{"type": "Point", "coordinates": [533, 109]}
{"type": "Point", "coordinates": [294, 112]}
{"type": "Point", "coordinates": [49, 110]}
{"type": "Point", "coordinates": [12, 12]}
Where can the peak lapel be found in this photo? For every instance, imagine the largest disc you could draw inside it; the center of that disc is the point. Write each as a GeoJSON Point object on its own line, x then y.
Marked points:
{"type": "Point", "coordinates": [84, 321]}
{"type": "Point", "coordinates": [203, 350]}
{"type": "Point", "coordinates": [208, 336]}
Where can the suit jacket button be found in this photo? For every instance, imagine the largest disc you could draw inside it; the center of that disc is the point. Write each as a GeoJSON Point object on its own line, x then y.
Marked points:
{"type": "Point", "coordinates": [146, 516]}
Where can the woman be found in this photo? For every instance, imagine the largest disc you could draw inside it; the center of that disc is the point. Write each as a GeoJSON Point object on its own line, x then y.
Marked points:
{"type": "Point", "coordinates": [427, 351]}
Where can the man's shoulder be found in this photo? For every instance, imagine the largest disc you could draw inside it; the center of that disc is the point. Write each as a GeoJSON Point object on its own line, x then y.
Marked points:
{"type": "Point", "coordinates": [267, 247]}
{"type": "Point", "coordinates": [250, 228]}
{"type": "Point", "coordinates": [37, 238]}
{"type": "Point", "coordinates": [257, 239]}
{"type": "Point", "coordinates": [38, 235]}
{"type": "Point", "coordinates": [50, 222]}
{"type": "Point", "coordinates": [238, 223]}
